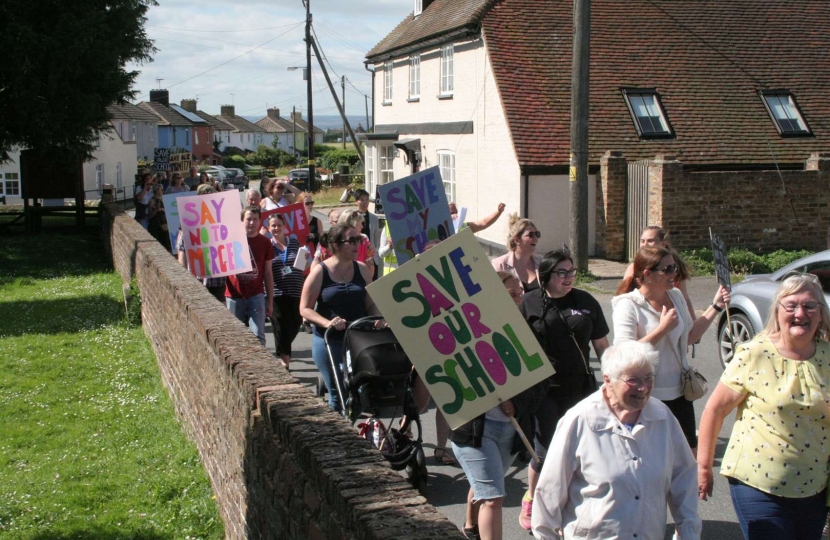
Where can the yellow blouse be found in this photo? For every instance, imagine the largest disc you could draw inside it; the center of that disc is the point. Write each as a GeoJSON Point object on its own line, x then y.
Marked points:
{"type": "Point", "coordinates": [779, 443]}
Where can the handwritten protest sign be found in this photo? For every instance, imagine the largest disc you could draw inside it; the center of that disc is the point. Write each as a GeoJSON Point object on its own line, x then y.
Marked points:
{"type": "Point", "coordinates": [296, 222]}
{"type": "Point", "coordinates": [418, 212]}
{"type": "Point", "coordinates": [181, 161]}
{"type": "Point", "coordinates": [460, 328]}
{"type": "Point", "coordinates": [214, 236]}
{"type": "Point", "coordinates": [721, 261]}
{"type": "Point", "coordinates": [161, 159]}
{"type": "Point", "coordinates": [171, 210]}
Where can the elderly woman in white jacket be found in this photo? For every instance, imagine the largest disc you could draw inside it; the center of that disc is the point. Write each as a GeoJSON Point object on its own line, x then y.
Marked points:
{"type": "Point", "coordinates": [617, 458]}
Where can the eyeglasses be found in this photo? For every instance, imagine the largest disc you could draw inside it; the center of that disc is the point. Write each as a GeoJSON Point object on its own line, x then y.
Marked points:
{"type": "Point", "coordinates": [809, 307]}
{"type": "Point", "coordinates": [562, 273]}
{"type": "Point", "coordinates": [670, 269]}
{"type": "Point", "coordinates": [354, 240]}
{"type": "Point", "coordinates": [531, 234]}
{"type": "Point", "coordinates": [309, 203]}
{"type": "Point", "coordinates": [634, 382]}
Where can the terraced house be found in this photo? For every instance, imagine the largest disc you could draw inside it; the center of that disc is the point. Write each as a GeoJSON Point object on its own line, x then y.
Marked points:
{"type": "Point", "coordinates": [713, 113]}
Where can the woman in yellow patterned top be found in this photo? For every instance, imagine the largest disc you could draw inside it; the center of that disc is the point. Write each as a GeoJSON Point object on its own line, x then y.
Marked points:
{"type": "Point", "coordinates": [776, 460]}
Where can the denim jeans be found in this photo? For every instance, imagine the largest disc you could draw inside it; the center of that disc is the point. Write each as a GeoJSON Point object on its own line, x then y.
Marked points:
{"type": "Point", "coordinates": [321, 360]}
{"type": "Point", "coordinates": [250, 311]}
{"type": "Point", "coordinates": [767, 517]}
{"type": "Point", "coordinates": [486, 465]}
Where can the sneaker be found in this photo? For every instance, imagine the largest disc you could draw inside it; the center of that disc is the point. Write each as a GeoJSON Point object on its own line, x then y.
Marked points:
{"type": "Point", "coordinates": [527, 509]}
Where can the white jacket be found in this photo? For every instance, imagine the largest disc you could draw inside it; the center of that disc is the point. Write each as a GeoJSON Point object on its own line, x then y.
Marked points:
{"type": "Point", "coordinates": [634, 318]}
{"type": "Point", "coordinates": [601, 481]}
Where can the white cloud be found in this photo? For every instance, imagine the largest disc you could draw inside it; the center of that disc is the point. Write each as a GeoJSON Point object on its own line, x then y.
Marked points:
{"type": "Point", "coordinates": [194, 37]}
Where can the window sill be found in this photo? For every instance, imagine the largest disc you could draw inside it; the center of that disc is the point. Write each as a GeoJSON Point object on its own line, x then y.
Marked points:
{"type": "Point", "coordinates": [414, 99]}
{"type": "Point", "coordinates": [444, 96]}
{"type": "Point", "coordinates": [386, 103]}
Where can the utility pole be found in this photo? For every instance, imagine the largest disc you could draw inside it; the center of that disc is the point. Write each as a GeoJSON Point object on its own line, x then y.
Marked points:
{"type": "Point", "coordinates": [579, 133]}
{"type": "Point", "coordinates": [343, 97]}
{"type": "Point", "coordinates": [312, 181]}
{"type": "Point", "coordinates": [294, 131]}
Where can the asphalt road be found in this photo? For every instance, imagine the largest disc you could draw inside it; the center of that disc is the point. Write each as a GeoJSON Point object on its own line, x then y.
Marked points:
{"type": "Point", "coordinates": [447, 486]}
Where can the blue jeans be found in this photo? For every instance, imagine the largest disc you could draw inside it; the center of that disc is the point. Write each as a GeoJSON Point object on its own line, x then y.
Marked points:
{"type": "Point", "coordinates": [250, 311]}
{"type": "Point", "coordinates": [486, 466]}
{"type": "Point", "coordinates": [767, 517]}
{"type": "Point", "coordinates": [321, 360]}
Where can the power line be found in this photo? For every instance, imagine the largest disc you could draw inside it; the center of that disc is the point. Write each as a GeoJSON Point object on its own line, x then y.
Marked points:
{"type": "Point", "coordinates": [224, 31]}
{"type": "Point", "coordinates": [241, 45]}
{"type": "Point", "coordinates": [223, 48]}
{"type": "Point", "coordinates": [344, 40]}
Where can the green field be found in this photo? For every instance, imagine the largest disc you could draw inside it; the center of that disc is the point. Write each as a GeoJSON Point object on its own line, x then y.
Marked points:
{"type": "Point", "coordinates": [90, 447]}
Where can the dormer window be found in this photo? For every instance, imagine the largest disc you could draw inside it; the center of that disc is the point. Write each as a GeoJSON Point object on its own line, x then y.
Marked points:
{"type": "Point", "coordinates": [785, 113]}
{"type": "Point", "coordinates": [419, 7]}
{"type": "Point", "coordinates": [648, 114]}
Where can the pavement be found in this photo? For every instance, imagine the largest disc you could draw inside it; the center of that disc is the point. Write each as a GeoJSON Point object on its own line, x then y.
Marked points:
{"type": "Point", "coordinates": [447, 486]}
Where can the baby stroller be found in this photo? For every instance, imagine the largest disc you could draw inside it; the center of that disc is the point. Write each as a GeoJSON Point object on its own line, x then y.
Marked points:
{"type": "Point", "coordinates": [377, 379]}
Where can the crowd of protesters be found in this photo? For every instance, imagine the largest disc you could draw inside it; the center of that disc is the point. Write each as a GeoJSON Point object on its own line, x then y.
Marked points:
{"type": "Point", "coordinates": [612, 457]}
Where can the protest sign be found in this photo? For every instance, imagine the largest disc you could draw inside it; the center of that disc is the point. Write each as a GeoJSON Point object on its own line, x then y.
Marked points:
{"type": "Point", "coordinates": [460, 328]}
{"type": "Point", "coordinates": [296, 222]}
{"type": "Point", "coordinates": [418, 212]}
{"type": "Point", "coordinates": [171, 210]}
{"type": "Point", "coordinates": [180, 162]}
{"type": "Point", "coordinates": [214, 235]}
{"type": "Point", "coordinates": [161, 159]}
{"type": "Point", "coordinates": [721, 261]}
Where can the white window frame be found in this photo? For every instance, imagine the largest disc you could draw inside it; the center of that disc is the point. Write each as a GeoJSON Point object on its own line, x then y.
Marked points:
{"type": "Point", "coordinates": [12, 187]}
{"type": "Point", "coordinates": [447, 70]}
{"type": "Point", "coordinates": [195, 136]}
{"type": "Point", "coordinates": [446, 164]}
{"type": "Point", "coordinates": [371, 176]}
{"type": "Point", "coordinates": [387, 83]}
{"type": "Point", "coordinates": [386, 163]}
{"type": "Point", "coordinates": [99, 176]}
{"type": "Point", "coordinates": [415, 76]}
{"type": "Point", "coordinates": [418, 8]}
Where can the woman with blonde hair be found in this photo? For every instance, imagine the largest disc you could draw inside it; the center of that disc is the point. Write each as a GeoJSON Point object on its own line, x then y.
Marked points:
{"type": "Point", "coordinates": [365, 249]}
{"type": "Point", "coordinates": [521, 257]}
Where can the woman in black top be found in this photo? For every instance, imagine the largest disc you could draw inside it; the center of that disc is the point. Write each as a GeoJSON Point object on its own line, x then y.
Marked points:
{"type": "Point", "coordinates": [566, 321]}
{"type": "Point", "coordinates": [338, 287]}
{"type": "Point", "coordinates": [288, 286]}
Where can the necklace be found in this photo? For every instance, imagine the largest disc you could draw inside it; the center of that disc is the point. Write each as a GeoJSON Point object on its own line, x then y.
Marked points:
{"type": "Point", "coordinates": [340, 275]}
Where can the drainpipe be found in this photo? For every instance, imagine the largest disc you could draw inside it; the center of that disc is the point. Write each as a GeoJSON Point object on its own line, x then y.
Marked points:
{"type": "Point", "coordinates": [526, 202]}
{"type": "Point", "coordinates": [372, 71]}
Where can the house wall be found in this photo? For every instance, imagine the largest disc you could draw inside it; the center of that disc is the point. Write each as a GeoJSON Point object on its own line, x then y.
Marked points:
{"type": "Point", "coordinates": [181, 137]}
{"type": "Point", "coordinates": [550, 210]}
{"type": "Point", "coordinates": [165, 137]}
{"type": "Point", "coordinates": [203, 150]}
{"type": "Point", "coordinates": [145, 135]}
{"type": "Point", "coordinates": [282, 465]}
{"type": "Point", "coordinates": [111, 153]}
{"type": "Point", "coordinates": [10, 178]}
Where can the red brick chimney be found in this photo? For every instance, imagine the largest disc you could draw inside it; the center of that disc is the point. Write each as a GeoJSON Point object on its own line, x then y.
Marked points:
{"type": "Point", "coordinates": [228, 110]}
{"type": "Point", "coordinates": [273, 112]}
{"type": "Point", "coordinates": [189, 105]}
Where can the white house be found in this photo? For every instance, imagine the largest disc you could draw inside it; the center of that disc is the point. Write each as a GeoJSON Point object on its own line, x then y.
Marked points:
{"type": "Point", "coordinates": [281, 130]}
{"type": "Point", "coordinates": [134, 124]}
{"type": "Point", "coordinates": [245, 135]}
{"type": "Point", "coordinates": [114, 162]}
{"type": "Point", "coordinates": [10, 178]}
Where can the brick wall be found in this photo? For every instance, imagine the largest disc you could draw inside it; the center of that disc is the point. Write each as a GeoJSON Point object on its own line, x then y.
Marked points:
{"type": "Point", "coordinates": [748, 209]}
{"type": "Point", "coordinates": [281, 464]}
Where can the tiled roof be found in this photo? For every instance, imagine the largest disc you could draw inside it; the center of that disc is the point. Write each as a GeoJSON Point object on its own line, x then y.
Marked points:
{"type": "Point", "coordinates": [302, 125]}
{"type": "Point", "coordinates": [275, 125]}
{"type": "Point", "coordinates": [217, 124]}
{"type": "Point", "coordinates": [707, 59]}
{"type": "Point", "coordinates": [240, 124]}
{"type": "Point", "coordinates": [128, 111]}
{"type": "Point", "coordinates": [440, 17]}
{"type": "Point", "coordinates": [166, 115]}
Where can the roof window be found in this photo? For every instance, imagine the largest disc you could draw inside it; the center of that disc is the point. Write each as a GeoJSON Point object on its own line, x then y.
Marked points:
{"type": "Point", "coordinates": [785, 113]}
{"type": "Point", "coordinates": [647, 113]}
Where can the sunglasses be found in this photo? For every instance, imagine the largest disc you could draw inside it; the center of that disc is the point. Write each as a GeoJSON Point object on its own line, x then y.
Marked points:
{"type": "Point", "coordinates": [354, 240]}
{"type": "Point", "coordinates": [670, 269]}
{"type": "Point", "coordinates": [309, 203]}
{"type": "Point", "coordinates": [532, 234]}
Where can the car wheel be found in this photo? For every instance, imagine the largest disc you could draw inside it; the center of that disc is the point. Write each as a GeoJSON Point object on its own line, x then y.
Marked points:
{"type": "Point", "coordinates": [739, 330]}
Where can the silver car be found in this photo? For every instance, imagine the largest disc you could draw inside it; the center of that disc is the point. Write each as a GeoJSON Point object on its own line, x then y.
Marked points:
{"type": "Point", "coordinates": [751, 299]}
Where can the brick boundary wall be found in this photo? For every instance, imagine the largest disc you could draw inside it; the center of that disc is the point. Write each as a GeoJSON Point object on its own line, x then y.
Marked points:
{"type": "Point", "coordinates": [281, 464]}
{"type": "Point", "coordinates": [748, 209]}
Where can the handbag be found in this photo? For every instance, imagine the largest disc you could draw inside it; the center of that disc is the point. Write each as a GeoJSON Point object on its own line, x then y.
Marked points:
{"type": "Point", "coordinates": [694, 384]}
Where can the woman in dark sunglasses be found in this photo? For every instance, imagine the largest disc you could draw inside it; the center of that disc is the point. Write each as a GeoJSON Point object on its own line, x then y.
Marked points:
{"type": "Point", "coordinates": [338, 288]}
{"type": "Point", "coordinates": [651, 310]}
{"type": "Point", "coordinates": [522, 258]}
{"type": "Point", "coordinates": [567, 322]}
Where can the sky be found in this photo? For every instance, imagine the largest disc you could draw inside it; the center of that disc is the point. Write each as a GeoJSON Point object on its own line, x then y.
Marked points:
{"type": "Point", "coordinates": [235, 53]}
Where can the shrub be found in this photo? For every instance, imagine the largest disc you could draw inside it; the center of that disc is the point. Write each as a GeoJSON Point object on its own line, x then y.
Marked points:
{"type": "Point", "coordinates": [700, 261]}
{"type": "Point", "coordinates": [781, 258]}
{"type": "Point", "coordinates": [237, 162]}
{"type": "Point", "coordinates": [337, 157]}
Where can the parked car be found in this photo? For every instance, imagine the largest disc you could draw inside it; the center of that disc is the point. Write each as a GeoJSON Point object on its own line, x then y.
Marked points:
{"type": "Point", "coordinates": [752, 297]}
{"type": "Point", "coordinates": [235, 178]}
{"type": "Point", "coordinates": [299, 178]}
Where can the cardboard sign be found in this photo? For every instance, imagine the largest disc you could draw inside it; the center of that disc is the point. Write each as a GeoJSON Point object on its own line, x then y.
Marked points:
{"type": "Point", "coordinates": [460, 328]}
{"type": "Point", "coordinates": [721, 261]}
{"type": "Point", "coordinates": [296, 221]}
{"type": "Point", "coordinates": [161, 159]}
{"type": "Point", "coordinates": [180, 162]}
{"type": "Point", "coordinates": [418, 212]}
{"type": "Point", "coordinates": [214, 236]}
{"type": "Point", "coordinates": [171, 210]}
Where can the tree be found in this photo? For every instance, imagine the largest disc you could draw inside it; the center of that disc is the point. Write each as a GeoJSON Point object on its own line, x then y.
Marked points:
{"type": "Point", "coordinates": [64, 62]}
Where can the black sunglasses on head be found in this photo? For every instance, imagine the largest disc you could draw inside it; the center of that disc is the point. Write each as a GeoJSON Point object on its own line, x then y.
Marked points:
{"type": "Point", "coordinates": [353, 240]}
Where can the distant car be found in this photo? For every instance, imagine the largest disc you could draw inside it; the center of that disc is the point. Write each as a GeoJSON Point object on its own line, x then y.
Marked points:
{"type": "Point", "coordinates": [299, 178]}
{"type": "Point", "coordinates": [752, 297]}
{"type": "Point", "coordinates": [235, 178]}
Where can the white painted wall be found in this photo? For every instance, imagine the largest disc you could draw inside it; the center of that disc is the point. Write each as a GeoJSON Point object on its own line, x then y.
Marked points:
{"type": "Point", "coordinates": [11, 167]}
{"type": "Point", "coordinates": [549, 201]}
{"type": "Point", "coordinates": [144, 134]}
{"type": "Point", "coordinates": [112, 151]}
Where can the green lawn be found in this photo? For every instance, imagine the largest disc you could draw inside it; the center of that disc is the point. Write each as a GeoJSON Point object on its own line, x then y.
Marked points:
{"type": "Point", "coordinates": [90, 447]}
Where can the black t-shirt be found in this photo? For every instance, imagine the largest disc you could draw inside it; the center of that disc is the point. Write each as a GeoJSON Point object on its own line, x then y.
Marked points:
{"type": "Point", "coordinates": [585, 318]}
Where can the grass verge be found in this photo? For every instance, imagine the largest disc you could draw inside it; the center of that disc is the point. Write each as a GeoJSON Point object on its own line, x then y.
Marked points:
{"type": "Point", "coordinates": [90, 444]}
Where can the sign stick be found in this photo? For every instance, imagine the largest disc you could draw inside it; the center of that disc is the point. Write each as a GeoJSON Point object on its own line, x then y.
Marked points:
{"type": "Point", "coordinates": [524, 439]}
